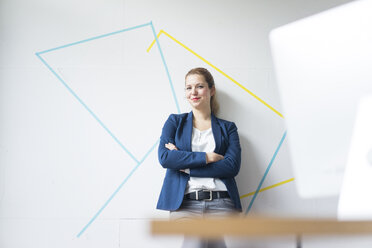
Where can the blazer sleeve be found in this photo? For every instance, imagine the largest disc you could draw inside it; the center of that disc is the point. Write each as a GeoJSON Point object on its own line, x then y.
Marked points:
{"type": "Point", "coordinates": [227, 167]}
{"type": "Point", "coordinates": [176, 159]}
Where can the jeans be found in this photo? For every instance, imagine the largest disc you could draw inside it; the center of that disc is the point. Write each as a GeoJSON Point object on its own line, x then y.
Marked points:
{"type": "Point", "coordinates": [220, 207]}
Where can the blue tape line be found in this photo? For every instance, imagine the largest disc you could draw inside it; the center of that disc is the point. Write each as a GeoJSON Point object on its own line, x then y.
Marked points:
{"type": "Point", "coordinates": [166, 67]}
{"type": "Point", "coordinates": [135, 168]}
{"type": "Point", "coordinates": [86, 107]}
{"type": "Point", "coordinates": [94, 38]}
{"type": "Point", "coordinates": [266, 172]}
{"type": "Point", "coordinates": [38, 54]}
{"type": "Point", "coordinates": [117, 190]}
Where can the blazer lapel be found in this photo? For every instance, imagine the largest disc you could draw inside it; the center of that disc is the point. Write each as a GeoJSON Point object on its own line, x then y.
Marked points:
{"type": "Point", "coordinates": [216, 133]}
{"type": "Point", "coordinates": [188, 131]}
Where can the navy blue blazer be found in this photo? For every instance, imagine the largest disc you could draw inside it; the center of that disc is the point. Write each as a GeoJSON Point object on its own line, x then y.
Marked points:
{"type": "Point", "coordinates": [178, 130]}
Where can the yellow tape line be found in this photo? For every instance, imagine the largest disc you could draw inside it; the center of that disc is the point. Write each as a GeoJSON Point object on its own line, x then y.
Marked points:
{"type": "Point", "coordinates": [220, 71]}
{"type": "Point", "coordinates": [270, 187]}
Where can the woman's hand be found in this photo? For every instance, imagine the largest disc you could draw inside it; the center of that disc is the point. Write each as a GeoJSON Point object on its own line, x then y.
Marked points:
{"type": "Point", "coordinates": [170, 146]}
{"type": "Point", "coordinates": [213, 157]}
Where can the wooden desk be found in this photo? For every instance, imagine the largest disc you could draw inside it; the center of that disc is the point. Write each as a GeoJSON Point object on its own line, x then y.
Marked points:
{"type": "Point", "coordinates": [248, 226]}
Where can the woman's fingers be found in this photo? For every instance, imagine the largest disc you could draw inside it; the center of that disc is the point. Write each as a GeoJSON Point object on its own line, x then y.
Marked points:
{"type": "Point", "coordinates": [170, 146]}
{"type": "Point", "coordinates": [213, 157]}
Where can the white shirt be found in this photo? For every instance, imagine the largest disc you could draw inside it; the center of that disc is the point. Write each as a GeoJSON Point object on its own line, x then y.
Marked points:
{"type": "Point", "coordinates": [203, 141]}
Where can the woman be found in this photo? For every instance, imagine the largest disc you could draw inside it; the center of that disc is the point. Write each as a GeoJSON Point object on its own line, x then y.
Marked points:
{"type": "Point", "coordinates": [202, 155]}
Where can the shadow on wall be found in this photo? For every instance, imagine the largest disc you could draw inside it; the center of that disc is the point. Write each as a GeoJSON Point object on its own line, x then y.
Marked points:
{"type": "Point", "coordinates": [250, 169]}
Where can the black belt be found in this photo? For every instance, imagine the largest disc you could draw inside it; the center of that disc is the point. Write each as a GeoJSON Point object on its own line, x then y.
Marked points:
{"type": "Point", "coordinates": [206, 195]}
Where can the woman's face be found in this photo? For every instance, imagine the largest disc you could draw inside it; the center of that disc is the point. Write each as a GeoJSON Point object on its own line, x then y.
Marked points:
{"type": "Point", "coordinates": [197, 92]}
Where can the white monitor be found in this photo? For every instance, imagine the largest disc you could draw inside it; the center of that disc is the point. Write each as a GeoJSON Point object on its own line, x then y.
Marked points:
{"type": "Point", "coordinates": [323, 66]}
{"type": "Point", "coordinates": [355, 201]}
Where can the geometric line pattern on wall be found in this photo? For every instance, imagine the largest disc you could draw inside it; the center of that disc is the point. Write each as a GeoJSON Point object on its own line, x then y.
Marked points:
{"type": "Point", "coordinates": [116, 191]}
{"type": "Point", "coordinates": [267, 188]}
{"type": "Point", "coordinates": [217, 69]}
{"type": "Point", "coordinates": [266, 172]}
{"type": "Point", "coordinates": [138, 162]}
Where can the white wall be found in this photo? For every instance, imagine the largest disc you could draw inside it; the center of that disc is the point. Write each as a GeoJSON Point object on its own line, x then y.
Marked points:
{"type": "Point", "coordinates": [59, 161]}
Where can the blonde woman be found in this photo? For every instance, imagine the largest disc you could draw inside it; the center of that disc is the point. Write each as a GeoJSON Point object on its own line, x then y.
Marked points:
{"type": "Point", "coordinates": [202, 155]}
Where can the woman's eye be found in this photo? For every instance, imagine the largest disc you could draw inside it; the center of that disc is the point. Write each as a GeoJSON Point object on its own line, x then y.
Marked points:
{"type": "Point", "coordinates": [201, 87]}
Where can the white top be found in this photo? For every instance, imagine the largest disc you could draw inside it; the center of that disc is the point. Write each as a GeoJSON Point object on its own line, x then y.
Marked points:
{"type": "Point", "coordinates": [203, 141]}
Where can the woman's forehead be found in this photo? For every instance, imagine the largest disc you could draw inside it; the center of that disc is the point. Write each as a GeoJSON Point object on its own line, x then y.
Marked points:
{"type": "Point", "coordinates": [194, 79]}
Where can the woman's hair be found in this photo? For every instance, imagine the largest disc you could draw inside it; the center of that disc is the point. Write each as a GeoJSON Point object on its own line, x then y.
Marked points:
{"type": "Point", "coordinates": [210, 81]}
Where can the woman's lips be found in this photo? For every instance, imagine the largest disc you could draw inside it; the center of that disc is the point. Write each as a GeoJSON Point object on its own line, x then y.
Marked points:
{"type": "Point", "coordinates": [195, 99]}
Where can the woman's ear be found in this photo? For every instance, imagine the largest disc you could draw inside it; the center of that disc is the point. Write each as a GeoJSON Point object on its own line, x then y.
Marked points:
{"type": "Point", "coordinates": [213, 91]}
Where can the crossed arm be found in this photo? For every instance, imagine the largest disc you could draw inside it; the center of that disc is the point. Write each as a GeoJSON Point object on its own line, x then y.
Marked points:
{"type": "Point", "coordinates": [201, 164]}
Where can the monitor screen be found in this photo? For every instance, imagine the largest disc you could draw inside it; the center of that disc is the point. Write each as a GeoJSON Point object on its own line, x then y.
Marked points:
{"type": "Point", "coordinates": [323, 66]}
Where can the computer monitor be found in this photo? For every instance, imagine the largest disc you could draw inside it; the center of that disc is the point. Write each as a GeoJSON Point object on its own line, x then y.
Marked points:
{"type": "Point", "coordinates": [323, 66]}
{"type": "Point", "coordinates": [354, 201]}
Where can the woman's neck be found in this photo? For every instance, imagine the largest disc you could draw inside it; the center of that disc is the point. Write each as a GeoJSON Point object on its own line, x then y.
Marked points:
{"type": "Point", "coordinates": [201, 116]}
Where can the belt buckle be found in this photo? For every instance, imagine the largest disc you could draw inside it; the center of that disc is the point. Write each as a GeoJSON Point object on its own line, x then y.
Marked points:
{"type": "Point", "coordinates": [210, 195]}
{"type": "Point", "coordinates": [197, 194]}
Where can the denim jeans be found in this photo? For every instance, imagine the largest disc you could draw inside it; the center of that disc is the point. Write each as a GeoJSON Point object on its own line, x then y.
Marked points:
{"type": "Point", "coordinates": [199, 209]}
